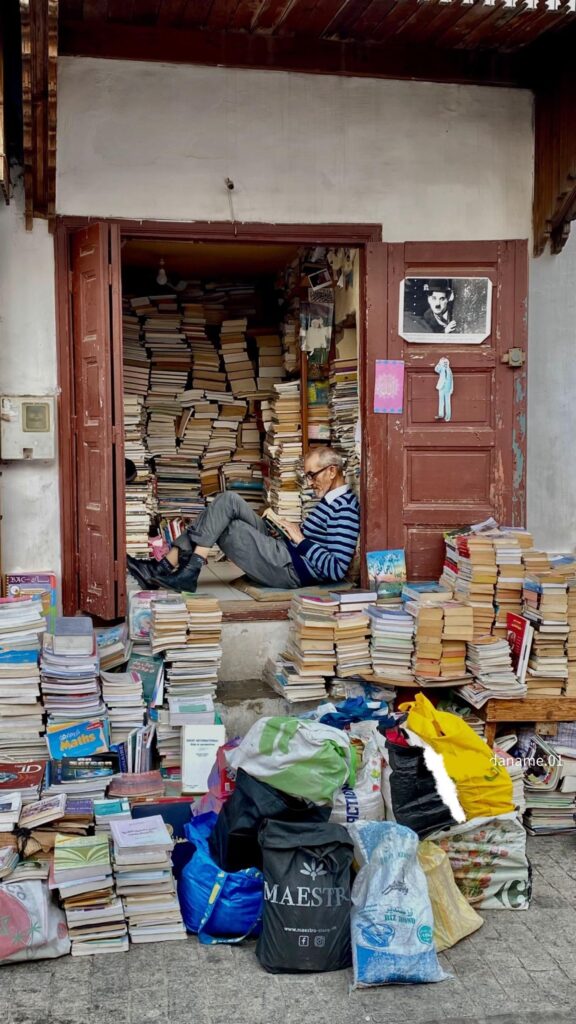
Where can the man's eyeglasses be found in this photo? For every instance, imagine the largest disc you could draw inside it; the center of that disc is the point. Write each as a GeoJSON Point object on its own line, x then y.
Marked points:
{"type": "Point", "coordinates": [312, 476]}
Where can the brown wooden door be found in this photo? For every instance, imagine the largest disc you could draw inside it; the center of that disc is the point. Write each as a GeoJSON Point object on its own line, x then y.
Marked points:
{"type": "Point", "coordinates": [97, 420]}
{"type": "Point", "coordinates": [424, 474]}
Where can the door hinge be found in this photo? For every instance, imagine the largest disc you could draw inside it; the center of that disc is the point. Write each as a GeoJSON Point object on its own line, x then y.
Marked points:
{"type": "Point", "coordinates": [514, 357]}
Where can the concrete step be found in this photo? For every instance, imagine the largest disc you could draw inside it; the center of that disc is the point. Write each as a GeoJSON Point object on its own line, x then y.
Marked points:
{"type": "Point", "coordinates": [247, 645]}
{"type": "Point", "coordinates": [242, 702]}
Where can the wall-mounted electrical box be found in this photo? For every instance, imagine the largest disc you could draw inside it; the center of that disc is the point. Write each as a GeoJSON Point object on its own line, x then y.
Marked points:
{"type": "Point", "coordinates": [26, 427]}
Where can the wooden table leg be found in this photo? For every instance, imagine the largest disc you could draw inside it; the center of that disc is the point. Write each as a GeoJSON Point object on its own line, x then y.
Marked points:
{"type": "Point", "coordinates": [490, 733]}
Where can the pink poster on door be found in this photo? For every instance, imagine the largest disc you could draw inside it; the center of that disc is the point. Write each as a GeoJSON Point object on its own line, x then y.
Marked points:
{"type": "Point", "coordinates": [389, 385]}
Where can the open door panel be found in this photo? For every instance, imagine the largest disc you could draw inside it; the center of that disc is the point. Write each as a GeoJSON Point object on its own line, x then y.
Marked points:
{"type": "Point", "coordinates": [96, 420]}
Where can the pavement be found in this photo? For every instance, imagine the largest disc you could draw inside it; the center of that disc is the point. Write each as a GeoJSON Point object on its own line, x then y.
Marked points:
{"type": "Point", "coordinates": [519, 968]}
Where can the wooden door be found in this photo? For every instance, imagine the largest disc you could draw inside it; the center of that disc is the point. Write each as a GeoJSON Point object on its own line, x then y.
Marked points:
{"type": "Point", "coordinates": [97, 421]}
{"type": "Point", "coordinates": [424, 474]}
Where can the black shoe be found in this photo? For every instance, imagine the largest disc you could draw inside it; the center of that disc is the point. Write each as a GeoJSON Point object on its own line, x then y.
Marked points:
{"type": "Point", "coordinates": [152, 575]}
{"type": "Point", "coordinates": [186, 578]}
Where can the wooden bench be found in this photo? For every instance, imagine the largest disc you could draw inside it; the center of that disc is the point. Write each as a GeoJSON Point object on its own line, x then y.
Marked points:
{"type": "Point", "coordinates": [526, 709]}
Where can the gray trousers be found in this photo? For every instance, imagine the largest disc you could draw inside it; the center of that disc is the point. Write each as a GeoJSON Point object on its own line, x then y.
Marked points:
{"type": "Point", "coordinates": [230, 523]}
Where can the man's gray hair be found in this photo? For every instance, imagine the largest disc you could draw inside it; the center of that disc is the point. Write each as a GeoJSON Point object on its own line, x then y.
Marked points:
{"type": "Point", "coordinates": [327, 457]}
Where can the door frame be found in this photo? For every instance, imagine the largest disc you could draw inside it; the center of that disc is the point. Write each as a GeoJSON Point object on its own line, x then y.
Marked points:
{"type": "Point", "coordinates": [360, 236]}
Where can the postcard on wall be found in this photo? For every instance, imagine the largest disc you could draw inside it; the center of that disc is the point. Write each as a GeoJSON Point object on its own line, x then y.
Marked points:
{"type": "Point", "coordinates": [441, 310]}
{"type": "Point", "coordinates": [389, 385]}
{"type": "Point", "coordinates": [387, 571]}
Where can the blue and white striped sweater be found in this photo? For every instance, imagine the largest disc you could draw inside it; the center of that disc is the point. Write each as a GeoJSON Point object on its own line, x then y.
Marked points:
{"type": "Point", "coordinates": [330, 538]}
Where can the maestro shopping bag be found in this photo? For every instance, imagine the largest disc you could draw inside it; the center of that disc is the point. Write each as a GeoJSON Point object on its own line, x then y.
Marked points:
{"type": "Point", "coordinates": [219, 906]}
{"type": "Point", "coordinates": [304, 759]}
{"type": "Point", "coordinates": [484, 786]}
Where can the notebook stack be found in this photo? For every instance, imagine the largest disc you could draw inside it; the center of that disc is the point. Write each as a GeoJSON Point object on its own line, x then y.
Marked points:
{"type": "Point", "coordinates": [511, 572]}
{"type": "Point", "coordinates": [82, 873]}
{"type": "Point", "coordinates": [392, 645]}
{"type": "Point", "coordinates": [489, 661]}
{"type": "Point", "coordinates": [138, 491]}
{"type": "Point", "coordinates": [122, 693]}
{"type": "Point", "coordinates": [21, 626]}
{"type": "Point", "coordinates": [143, 873]}
{"type": "Point", "coordinates": [476, 579]}
{"type": "Point", "coordinates": [311, 640]}
{"type": "Point", "coordinates": [283, 448]}
{"type": "Point", "coordinates": [546, 608]}
{"type": "Point", "coordinates": [69, 671]}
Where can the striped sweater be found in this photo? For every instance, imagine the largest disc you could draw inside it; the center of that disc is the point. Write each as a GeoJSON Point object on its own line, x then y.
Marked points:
{"type": "Point", "coordinates": [330, 537]}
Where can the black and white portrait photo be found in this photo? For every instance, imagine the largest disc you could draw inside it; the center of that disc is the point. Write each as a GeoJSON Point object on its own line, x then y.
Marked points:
{"type": "Point", "coordinates": [456, 310]}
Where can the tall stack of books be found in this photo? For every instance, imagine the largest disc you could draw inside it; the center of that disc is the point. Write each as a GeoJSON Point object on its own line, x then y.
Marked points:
{"type": "Point", "coordinates": [270, 360]}
{"type": "Point", "coordinates": [549, 785]}
{"type": "Point", "coordinates": [283, 448]}
{"type": "Point", "coordinates": [312, 635]}
{"type": "Point", "coordinates": [169, 623]}
{"type": "Point", "coordinates": [122, 693]}
{"type": "Point", "coordinates": [138, 492]}
{"type": "Point", "coordinates": [343, 401]}
{"type": "Point", "coordinates": [83, 875]}
{"type": "Point", "coordinates": [352, 643]}
{"type": "Point", "coordinates": [476, 578]}
{"type": "Point", "coordinates": [81, 777]}
{"type": "Point", "coordinates": [143, 874]}
{"type": "Point", "coordinates": [546, 608]}
{"type": "Point", "coordinates": [69, 671]}
{"type": "Point", "coordinates": [442, 632]}
{"type": "Point", "coordinates": [21, 626]}
{"type": "Point", "coordinates": [392, 644]}
{"type": "Point", "coordinates": [318, 412]}
{"type": "Point", "coordinates": [489, 661]}
{"type": "Point", "coordinates": [570, 685]}
{"type": "Point", "coordinates": [536, 563]}
{"type": "Point", "coordinates": [511, 571]}
{"type": "Point", "coordinates": [239, 367]}
{"type": "Point", "coordinates": [290, 333]}
{"type": "Point", "coordinates": [281, 675]}
{"type": "Point", "coordinates": [136, 362]}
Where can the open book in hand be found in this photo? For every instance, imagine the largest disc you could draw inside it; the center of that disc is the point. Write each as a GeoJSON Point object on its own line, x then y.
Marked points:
{"type": "Point", "coordinates": [273, 523]}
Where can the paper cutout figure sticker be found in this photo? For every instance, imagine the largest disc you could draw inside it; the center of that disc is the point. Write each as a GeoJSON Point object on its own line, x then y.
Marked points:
{"type": "Point", "coordinates": [445, 388]}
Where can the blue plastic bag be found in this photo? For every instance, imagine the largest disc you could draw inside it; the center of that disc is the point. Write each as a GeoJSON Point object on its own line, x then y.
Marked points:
{"type": "Point", "coordinates": [218, 906]}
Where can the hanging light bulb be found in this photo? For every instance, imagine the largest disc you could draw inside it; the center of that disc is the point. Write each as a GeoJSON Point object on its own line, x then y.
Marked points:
{"type": "Point", "coordinates": [161, 276]}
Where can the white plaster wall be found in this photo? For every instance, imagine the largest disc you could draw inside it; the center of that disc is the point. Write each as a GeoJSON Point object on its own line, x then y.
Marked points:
{"type": "Point", "coordinates": [30, 528]}
{"type": "Point", "coordinates": [551, 466]}
{"type": "Point", "coordinates": [428, 162]}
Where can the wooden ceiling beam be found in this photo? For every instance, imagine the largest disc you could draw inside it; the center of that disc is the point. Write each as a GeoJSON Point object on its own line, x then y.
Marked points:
{"type": "Point", "coordinates": [39, 22]}
{"type": "Point", "coordinates": [286, 53]}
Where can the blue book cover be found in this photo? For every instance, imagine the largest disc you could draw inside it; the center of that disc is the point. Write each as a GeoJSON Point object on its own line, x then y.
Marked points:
{"type": "Point", "coordinates": [387, 571]}
{"type": "Point", "coordinates": [8, 656]}
{"type": "Point", "coordinates": [72, 739]}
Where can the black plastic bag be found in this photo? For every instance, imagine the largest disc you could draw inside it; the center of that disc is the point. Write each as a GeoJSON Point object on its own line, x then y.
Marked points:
{"type": "Point", "coordinates": [234, 842]}
{"type": "Point", "coordinates": [414, 795]}
{"type": "Point", "coordinates": [306, 922]}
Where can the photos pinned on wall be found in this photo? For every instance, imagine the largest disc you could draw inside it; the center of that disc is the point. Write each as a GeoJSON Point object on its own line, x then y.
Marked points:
{"type": "Point", "coordinates": [439, 310]}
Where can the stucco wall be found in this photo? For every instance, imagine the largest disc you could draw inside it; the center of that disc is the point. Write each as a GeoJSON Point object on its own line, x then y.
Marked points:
{"type": "Point", "coordinates": [30, 528]}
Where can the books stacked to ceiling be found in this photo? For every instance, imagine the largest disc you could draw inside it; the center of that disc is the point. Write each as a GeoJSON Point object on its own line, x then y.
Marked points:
{"type": "Point", "coordinates": [476, 578]}
{"type": "Point", "coordinates": [221, 443]}
{"type": "Point", "coordinates": [240, 371]}
{"type": "Point", "coordinates": [69, 671]}
{"type": "Point", "coordinates": [391, 645]}
{"type": "Point", "coordinates": [244, 473]}
{"type": "Point", "coordinates": [489, 660]}
{"type": "Point", "coordinates": [283, 449]}
{"type": "Point", "coordinates": [136, 362]}
{"type": "Point", "coordinates": [311, 639]}
{"type": "Point", "coordinates": [343, 401]}
{"type": "Point", "coordinates": [21, 626]}
{"type": "Point", "coordinates": [549, 785]}
{"type": "Point", "coordinates": [441, 634]}
{"type": "Point", "coordinates": [511, 571]}
{"type": "Point", "coordinates": [290, 333]}
{"type": "Point", "coordinates": [94, 914]}
{"type": "Point", "coordinates": [139, 492]}
{"type": "Point", "coordinates": [318, 412]}
{"type": "Point", "coordinates": [207, 372]}
{"type": "Point", "coordinates": [270, 359]}
{"type": "Point", "coordinates": [282, 676]}
{"type": "Point", "coordinates": [546, 608]}
{"type": "Point", "coordinates": [122, 693]}
{"type": "Point", "coordinates": [143, 874]}
{"type": "Point", "coordinates": [352, 633]}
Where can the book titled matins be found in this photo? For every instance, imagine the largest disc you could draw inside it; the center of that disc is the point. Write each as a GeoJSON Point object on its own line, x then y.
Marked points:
{"type": "Point", "coordinates": [73, 634]}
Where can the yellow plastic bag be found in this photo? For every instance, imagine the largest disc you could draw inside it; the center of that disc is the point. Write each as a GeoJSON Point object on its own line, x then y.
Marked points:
{"type": "Point", "coordinates": [454, 918]}
{"type": "Point", "coordinates": [484, 786]}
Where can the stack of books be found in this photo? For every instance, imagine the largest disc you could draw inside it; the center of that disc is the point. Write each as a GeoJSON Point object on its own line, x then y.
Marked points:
{"type": "Point", "coordinates": [318, 412]}
{"type": "Point", "coordinates": [489, 660]}
{"type": "Point", "coordinates": [138, 491]}
{"type": "Point", "coordinates": [136, 362]}
{"type": "Point", "coordinates": [312, 633]}
{"type": "Point", "coordinates": [549, 786]}
{"type": "Point", "coordinates": [283, 449]}
{"type": "Point", "coordinates": [281, 675]}
{"type": "Point", "coordinates": [546, 608]}
{"type": "Point", "coordinates": [84, 777]}
{"type": "Point", "coordinates": [352, 634]}
{"type": "Point", "coordinates": [511, 572]}
{"type": "Point", "coordinates": [290, 333]}
{"type": "Point", "coordinates": [21, 626]}
{"type": "Point", "coordinates": [240, 371]}
{"type": "Point", "coordinates": [122, 693]}
{"type": "Point", "coordinates": [69, 671]}
{"type": "Point", "coordinates": [82, 873]}
{"type": "Point", "coordinates": [143, 873]}
{"type": "Point", "coordinates": [270, 359]}
{"type": "Point", "coordinates": [114, 645]}
{"type": "Point", "coordinates": [22, 778]}
{"type": "Point", "coordinates": [570, 685]}
{"type": "Point", "coordinates": [476, 578]}
{"type": "Point", "coordinates": [343, 401]}
{"type": "Point", "coordinates": [169, 622]}
{"type": "Point", "coordinates": [107, 811]}
{"type": "Point", "coordinates": [441, 634]}
{"type": "Point", "coordinates": [10, 809]}
{"type": "Point", "coordinates": [392, 645]}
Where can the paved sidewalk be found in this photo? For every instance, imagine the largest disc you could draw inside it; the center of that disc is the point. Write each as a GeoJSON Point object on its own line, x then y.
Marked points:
{"type": "Point", "coordinates": [520, 968]}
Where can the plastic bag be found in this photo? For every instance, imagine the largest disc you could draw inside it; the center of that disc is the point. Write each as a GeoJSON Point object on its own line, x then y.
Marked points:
{"type": "Point", "coordinates": [363, 802]}
{"type": "Point", "coordinates": [304, 759]}
{"type": "Point", "coordinates": [217, 905]}
{"type": "Point", "coordinates": [234, 842]}
{"type": "Point", "coordinates": [306, 923]}
{"type": "Point", "coordinates": [454, 918]}
{"type": "Point", "coordinates": [418, 792]}
{"type": "Point", "coordinates": [392, 921]}
{"type": "Point", "coordinates": [33, 926]}
{"type": "Point", "coordinates": [484, 786]}
{"type": "Point", "coordinates": [489, 862]}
